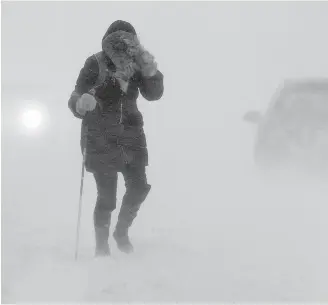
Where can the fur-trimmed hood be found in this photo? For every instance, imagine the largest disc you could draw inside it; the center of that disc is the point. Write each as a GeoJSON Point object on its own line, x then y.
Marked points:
{"type": "Point", "coordinates": [121, 45]}
{"type": "Point", "coordinates": [120, 25]}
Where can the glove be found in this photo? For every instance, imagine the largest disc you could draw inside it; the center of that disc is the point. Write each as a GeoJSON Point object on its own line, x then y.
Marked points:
{"type": "Point", "coordinates": [86, 102]}
{"type": "Point", "coordinates": [144, 60]}
{"type": "Point", "coordinates": [146, 63]}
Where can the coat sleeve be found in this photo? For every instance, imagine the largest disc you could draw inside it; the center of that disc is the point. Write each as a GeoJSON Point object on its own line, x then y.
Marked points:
{"type": "Point", "coordinates": [85, 81]}
{"type": "Point", "coordinates": [152, 88]}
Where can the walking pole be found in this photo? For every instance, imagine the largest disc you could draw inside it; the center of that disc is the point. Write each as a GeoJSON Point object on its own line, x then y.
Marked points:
{"type": "Point", "coordinates": [80, 206]}
{"type": "Point", "coordinates": [92, 92]}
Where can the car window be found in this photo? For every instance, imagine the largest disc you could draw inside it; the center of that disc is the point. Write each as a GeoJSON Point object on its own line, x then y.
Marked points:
{"type": "Point", "coordinates": [296, 115]}
{"type": "Point", "coordinates": [303, 107]}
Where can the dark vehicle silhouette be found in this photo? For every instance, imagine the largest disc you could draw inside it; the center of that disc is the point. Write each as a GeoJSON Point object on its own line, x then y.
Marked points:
{"type": "Point", "coordinates": [294, 128]}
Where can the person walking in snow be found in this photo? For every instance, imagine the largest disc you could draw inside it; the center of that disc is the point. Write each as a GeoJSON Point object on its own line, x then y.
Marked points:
{"type": "Point", "coordinates": [112, 135]}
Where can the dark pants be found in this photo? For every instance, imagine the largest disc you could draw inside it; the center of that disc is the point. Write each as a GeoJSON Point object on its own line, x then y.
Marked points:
{"type": "Point", "coordinates": [137, 190]}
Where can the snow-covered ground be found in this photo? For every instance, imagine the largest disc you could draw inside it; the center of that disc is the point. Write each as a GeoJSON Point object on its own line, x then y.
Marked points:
{"type": "Point", "coordinates": [233, 237]}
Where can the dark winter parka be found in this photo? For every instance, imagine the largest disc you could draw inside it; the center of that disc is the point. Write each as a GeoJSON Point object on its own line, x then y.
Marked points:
{"type": "Point", "coordinates": [113, 133]}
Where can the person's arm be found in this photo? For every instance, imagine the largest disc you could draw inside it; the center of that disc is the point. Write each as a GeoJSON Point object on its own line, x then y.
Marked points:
{"type": "Point", "coordinates": [151, 84]}
{"type": "Point", "coordinates": [85, 82]}
{"type": "Point", "coordinates": [152, 88]}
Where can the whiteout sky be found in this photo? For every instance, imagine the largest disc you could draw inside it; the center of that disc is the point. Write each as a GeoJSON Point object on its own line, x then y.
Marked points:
{"type": "Point", "coordinates": [259, 241]}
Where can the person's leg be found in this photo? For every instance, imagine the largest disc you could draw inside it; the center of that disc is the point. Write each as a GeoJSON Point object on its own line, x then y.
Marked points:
{"type": "Point", "coordinates": [106, 203]}
{"type": "Point", "coordinates": [137, 190]}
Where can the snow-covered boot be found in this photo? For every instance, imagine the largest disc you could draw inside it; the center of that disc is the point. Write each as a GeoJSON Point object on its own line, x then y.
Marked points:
{"type": "Point", "coordinates": [132, 201]}
{"type": "Point", "coordinates": [102, 246]}
{"type": "Point", "coordinates": [125, 219]}
{"type": "Point", "coordinates": [102, 224]}
{"type": "Point", "coordinates": [123, 241]}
